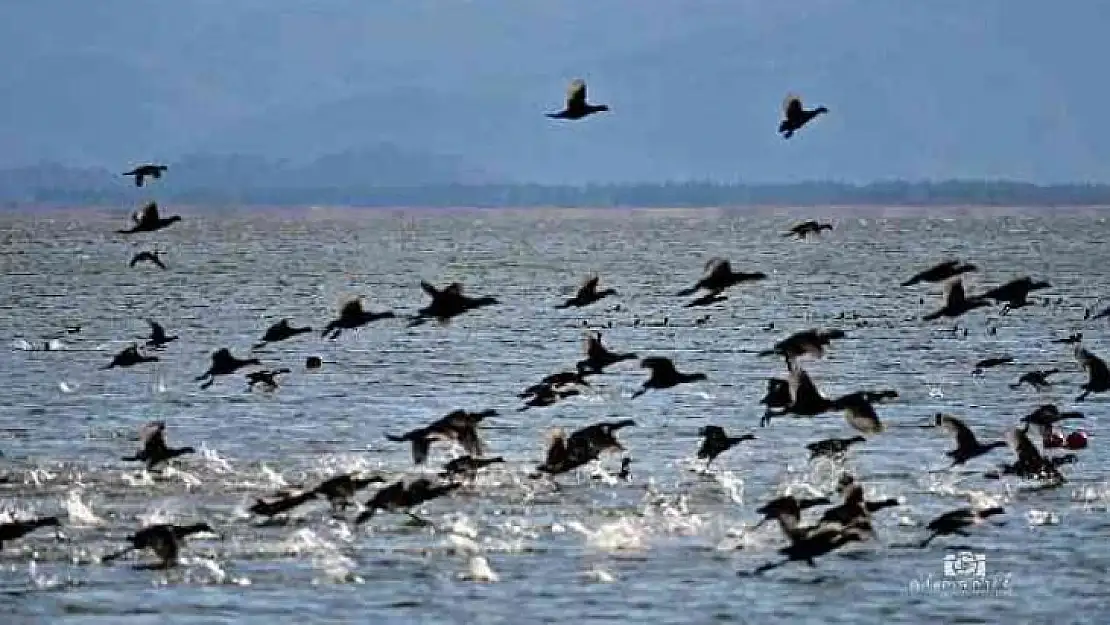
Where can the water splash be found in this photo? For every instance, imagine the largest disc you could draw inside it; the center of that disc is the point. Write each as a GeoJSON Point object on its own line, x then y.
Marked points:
{"type": "Point", "coordinates": [326, 557]}
{"type": "Point", "coordinates": [479, 570]}
{"type": "Point", "coordinates": [80, 513]}
{"type": "Point", "coordinates": [213, 460]}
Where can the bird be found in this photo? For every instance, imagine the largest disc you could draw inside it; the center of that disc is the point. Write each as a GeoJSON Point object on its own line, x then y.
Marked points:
{"type": "Point", "coordinates": [266, 377]}
{"type": "Point", "coordinates": [804, 229]}
{"type": "Point", "coordinates": [967, 446]}
{"type": "Point", "coordinates": [13, 530]}
{"type": "Point", "coordinates": [587, 294]}
{"type": "Point", "coordinates": [1046, 416]}
{"type": "Point", "coordinates": [806, 546]}
{"type": "Point", "coordinates": [855, 511]}
{"type": "Point", "coordinates": [154, 451]}
{"type": "Point", "coordinates": [812, 342]}
{"type": "Point", "coordinates": [223, 363]}
{"type": "Point", "coordinates": [1071, 339]}
{"type": "Point", "coordinates": [545, 395]}
{"type": "Point", "coordinates": [282, 504]}
{"type": "Point", "coordinates": [787, 510]}
{"type": "Point", "coordinates": [1015, 293]}
{"type": "Point", "coordinates": [404, 496]}
{"type": "Point", "coordinates": [142, 171]}
{"type": "Point", "coordinates": [158, 337]}
{"type": "Point", "coordinates": [280, 331]}
{"type": "Point", "coordinates": [776, 397]}
{"type": "Point", "coordinates": [957, 522]}
{"type": "Point", "coordinates": [598, 356]}
{"type": "Point", "coordinates": [664, 375]}
{"type": "Point", "coordinates": [715, 442]}
{"type": "Point", "coordinates": [459, 426]}
{"type": "Point", "coordinates": [576, 106]}
{"type": "Point", "coordinates": [555, 382]}
{"type": "Point", "coordinates": [1098, 375]}
{"type": "Point", "coordinates": [313, 362]}
{"type": "Point", "coordinates": [832, 446]}
{"type": "Point", "coordinates": [340, 489]}
{"type": "Point", "coordinates": [796, 116]}
{"type": "Point", "coordinates": [468, 466]}
{"type": "Point", "coordinates": [129, 357]}
{"type": "Point", "coordinates": [1030, 464]}
{"type": "Point", "coordinates": [566, 453]}
{"type": "Point", "coordinates": [147, 219]}
{"type": "Point", "coordinates": [351, 316]}
{"type": "Point", "coordinates": [989, 363]}
{"type": "Point", "coordinates": [448, 303]}
{"type": "Point", "coordinates": [163, 539]}
{"type": "Point", "coordinates": [956, 303]}
{"type": "Point", "coordinates": [1037, 379]}
{"type": "Point", "coordinates": [707, 299]}
{"type": "Point", "coordinates": [148, 257]}
{"type": "Point", "coordinates": [941, 272]}
{"type": "Point", "coordinates": [859, 410]}
{"type": "Point", "coordinates": [720, 276]}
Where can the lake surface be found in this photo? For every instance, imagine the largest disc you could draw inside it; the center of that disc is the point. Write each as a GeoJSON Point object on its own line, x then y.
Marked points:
{"type": "Point", "coordinates": [664, 547]}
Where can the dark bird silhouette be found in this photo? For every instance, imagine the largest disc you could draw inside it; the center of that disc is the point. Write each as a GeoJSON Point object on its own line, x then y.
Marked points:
{"type": "Point", "coordinates": [129, 357]}
{"type": "Point", "coordinates": [566, 453]}
{"type": "Point", "coordinates": [147, 257]}
{"type": "Point", "coordinates": [468, 466]}
{"type": "Point", "coordinates": [707, 299]}
{"type": "Point", "coordinates": [1102, 314]}
{"type": "Point", "coordinates": [664, 375]}
{"type": "Point", "coordinates": [158, 337]}
{"type": "Point", "coordinates": [787, 510]}
{"type": "Point", "coordinates": [587, 294]}
{"type": "Point", "coordinates": [832, 446]}
{"type": "Point", "coordinates": [1072, 339]}
{"type": "Point", "coordinates": [777, 397]}
{"type": "Point", "coordinates": [280, 505]}
{"type": "Point", "coordinates": [957, 522]}
{"type": "Point", "coordinates": [351, 316]}
{"type": "Point", "coordinates": [598, 356]}
{"type": "Point", "coordinates": [853, 512]}
{"type": "Point", "coordinates": [576, 106]}
{"type": "Point", "coordinates": [989, 363]}
{"type": "Point", "coordinates": [941, 272]}
{"type": "Point", "coordinates": [281, 331]}
{"type": "Point", "coordinates": [715, 442]}
{"type": "Point", "coordinates": [859, 409]}
{"type": "Point", "coordinates": [313, 362]}
{"type": "Point", "coordinates": [1015, 293]}
{"type": "Point", "coordinates": [142, 171]}
{"type": "Point", "coordinates": [1037, 379]}
{"type": "Point", "coordinates": [956, 302]}
{"type": "Point", "coordinates": [340, 489]}
{"type": "Point", "coordinates": [812, 342]}
{"type": "Point", "coordinates": [147, 219]}
{"type": "Point", "coordinates": [1046, 416]}
{"type": "Point", "coordinates": [267, 378]}
{"type": "Point", "coordinates": [18, 529]}
{"type": "Point", "coordinates": [459, 426]}
{"type": "Point", "coordinates": [1098, 375]}
{"type": "Point", "coordinates": [545, 395]}
{"type": "Point", "coordinates": [448, 303]}
{"type": "Point", "coordinates": [805, 547]}
{"type": "Point", "coordinates": [804, 229]}
{"type": "Point", "coordinates": [720, 276]}
{"type": "Point", "coordinates": [1030, 463]}
{"type": "Point", "coordinates": [967, 446]}
{"type": "Point", "coordinates": [796, 116]}
{"type": "Point", "coordinates": [554, 381]}
{"type": "Point", "coordinates": [163, 539]}
{"type": "Point", "coordinates": [223, 363]}
{"type": "Point", "coordinates": [404, 496]}
{"type": "Point", "coordinates": [154, 451]}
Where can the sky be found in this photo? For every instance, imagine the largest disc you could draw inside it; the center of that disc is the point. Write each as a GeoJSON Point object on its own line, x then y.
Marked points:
{"type": "Point", "coordinates": [918, 90]}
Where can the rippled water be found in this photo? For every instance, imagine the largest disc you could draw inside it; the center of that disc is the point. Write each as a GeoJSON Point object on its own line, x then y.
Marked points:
{"type": "Point", "coordinates": [660, 549]}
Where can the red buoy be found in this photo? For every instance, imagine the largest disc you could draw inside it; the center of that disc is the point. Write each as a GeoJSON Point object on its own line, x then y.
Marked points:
{"type": "Point", "coordinates": [1077, 440]}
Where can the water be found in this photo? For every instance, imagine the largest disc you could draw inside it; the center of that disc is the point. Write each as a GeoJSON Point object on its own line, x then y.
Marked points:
{"type": "Point", "coordinates": [660, 549]}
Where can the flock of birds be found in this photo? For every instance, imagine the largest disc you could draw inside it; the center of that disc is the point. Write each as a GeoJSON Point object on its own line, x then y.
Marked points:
{"type": "Point", "coordinates": [795, 395]}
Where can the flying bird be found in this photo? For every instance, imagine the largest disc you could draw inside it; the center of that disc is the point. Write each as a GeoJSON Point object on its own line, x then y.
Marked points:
{"type": "Point", "coordinates": [460, 426]}
{"type": "Point", "coordinates": [281, 331]}
{"type": "Point", "coordinates": [664, 375]}
{"type": "Point", "coordinates": [1098, 375]}
{"type": "Point", "coordinates": [129, 357]}
{"type": "Point", "coordinates": [142, 171]}
{"type": "Point", "coordinates": [956, 303]}
{"type": "Point", "coordinates": [715, 442]}
{"type": "Point", "coordinates": [223, 363]}
{"type": "Point", "coordinates": [720, 276]}
{"type": "Point", "coordinates": [448, 303]}
{"type": "Point", "coordinates": [576, 106]}
{"type": "Point", "coordinates": [796, 116]}
{"type": "Point", "coordinates": [804, 229]}
{"type": "Point", "coordinates": [146, 219]}
{"type": "Point", "coordinates": [155, 451]}
{"type": "Point", "coordinates": [352, 316]}
{"type": "Point", "coordinates": [148, 257]}
{"type": "Point", "coordinates": [163, 539]}
{"type": "Point", "coordinates": [1015, 293]}
{"type": "Point", "coordinates": [158, 337]}
{"type": "Point", "coordinates": [587, 294]}
{"type": "Point", "coordinates": [941, 272]}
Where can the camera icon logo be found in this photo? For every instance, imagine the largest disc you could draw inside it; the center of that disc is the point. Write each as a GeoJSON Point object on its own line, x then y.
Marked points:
{"type": "Point", "coordinates": [965, 564]}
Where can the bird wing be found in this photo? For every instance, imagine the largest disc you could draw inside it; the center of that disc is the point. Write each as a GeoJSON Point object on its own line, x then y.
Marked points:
{"type": "Point", "coordinates": [660, 366]}
{"type": "Point", "coordinates": [156, 329]}
{"type": "Point", "coordinates": [792, 105]}
{"type": "Point", "coordinates": [589, 286]}
{"type": "Point", "coordinates": [965, 438]}
{"type": "Point", "coordinates": [1094, 366]}
{"type": "Point", "coordinates": [576, 94]}
{"type": "Point", "coordinates": [954, 291]}
{"type": "Point", "coordinates": [351, 308]}
{"type": "Point", "coordinates": [430, 289]}
{"type": "Point", "coordinates": [1024, 449]}
{"type": "Point", "coordinates": [802, 387]}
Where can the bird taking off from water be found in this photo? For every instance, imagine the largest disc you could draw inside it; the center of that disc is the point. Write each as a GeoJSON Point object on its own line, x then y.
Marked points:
{"type": "Point", "coordinates": [146, 219]}
{"type": "Point", "coordinates": [796, 116]}
{"type": "Point", "coordinates": [577, 107]}
{"type": "Point", "coordinates": [142, 171]}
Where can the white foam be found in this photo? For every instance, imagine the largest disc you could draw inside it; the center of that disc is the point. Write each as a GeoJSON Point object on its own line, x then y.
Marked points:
{"type": "Point", "coordinates": [80, 513]}
{"type": "Point", "coordinates": [479, 570]}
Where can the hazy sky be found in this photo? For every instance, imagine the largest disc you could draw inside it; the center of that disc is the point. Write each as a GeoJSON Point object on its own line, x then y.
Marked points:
{"type": "Point", "coordinates": [916, 89]}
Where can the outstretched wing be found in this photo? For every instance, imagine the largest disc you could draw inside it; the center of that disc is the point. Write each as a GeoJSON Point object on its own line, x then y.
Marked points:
{"type": "Point", "coordinates": [576, 94]}
{"type": "Point", "coordinates": [792, 105]}
{"type": "Point", "coordinates": [589, 286]}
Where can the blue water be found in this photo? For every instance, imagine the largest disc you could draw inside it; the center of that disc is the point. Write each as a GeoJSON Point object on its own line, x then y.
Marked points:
{"type": "Point", "coordinates": [662, 548]}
